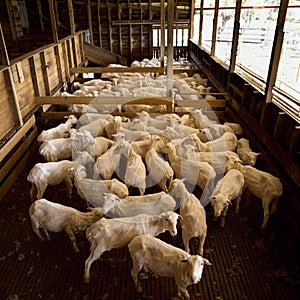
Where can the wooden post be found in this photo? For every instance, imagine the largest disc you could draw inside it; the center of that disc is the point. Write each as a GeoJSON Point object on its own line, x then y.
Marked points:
{"type": "Point", "coordinates": [53, 21]}
{"type": "Point", "coordinates": [201, 22]}
{"type": "Point", "coordinates": [170, 46]}
{"type": "Point", "coordinates": [71, 17]}
{"type": "Point", "coordinates": [45, 66]}
{"type": "Point", "coordinates": [34, 76]}
{"type": "Point", "coordinates": [40, 15]}
{"type": "Point", "coordinates": [162, 32]}
{"type": "Point", "coordinates": [119, 7]}
{"type": "Point", "coordinates": [215, 26]}
{"type": "Point", "coordinates": [58, 62]}
{"type": "Point", "coordinates": [99, 22]}
{"type": "Point", "coordinates": [90, 21]}
{"type": "Point", "coordinates": [150, 29]}
{"type": "Point", "coordinates": [4, 53]}
{"type": "Point", "coordinates": [109, 26]}
{"type": "Point", "coordinates": [130, 31]}
{"type": "Point", "coordinates": [191, 31]}
{"type": "Point", "coordinates": [11, 19]}
{"type": "Point", "coordinates": [235, 39]}
{"type": "Point", "coordinates": [276, 51]}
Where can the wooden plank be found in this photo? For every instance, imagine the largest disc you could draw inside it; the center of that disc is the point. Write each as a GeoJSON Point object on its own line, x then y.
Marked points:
{"type": "Point", "coordinates": [58, 63]}
{"type": "Point", "coordinates": [99, 23]}
{"type": "Point", "coordinates": [162, 32]}
{"type": "Point", "coordinates": [170, 51]}
{"type": "Point", "coordinates": [109, 25]}
{"type": "Point", "coordinates": [11, 20]}
{"type": "Point", "coordinates": [215, 26]}
{"type": "Point", "coordinates": [40, 10]}
{"type": "Point", "coordinates": [20, 72]}
{"type": "Point", "coordinates": [13, 158]}
{"type": "Point", "coordinates": [201, 103]}
{"type": "Point", "coordinates": [117, 70]}
{"type": "Point", "coordinates": [3, 50]}
{"type": "Point", "coordinates": [71, 16]}
{"type": "Point", "coordinates": [66, 61]}
{"type": "Point", "coordinates": [53, 21]}
{"type": "Point", "coordinates": [16, 138]}
{"type": "Point", "coordinates": [45, 66]}
{"type": "Point", "coordinates": [13, 97]}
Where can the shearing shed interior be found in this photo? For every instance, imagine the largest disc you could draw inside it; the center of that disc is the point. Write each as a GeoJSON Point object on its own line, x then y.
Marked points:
{"type": "Point", "coordinates": [149, 149]}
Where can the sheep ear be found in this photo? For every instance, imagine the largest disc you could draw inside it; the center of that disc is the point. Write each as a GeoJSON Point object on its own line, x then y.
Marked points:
{"type": "Point", "coordinates": [184, 179]}
{"type": "Point", "coordinates": [206, 262]}
{"type": "Point", "coordinates": [184, 261]}
{"type": "Point", "coordinates": [258, 153]}
{"type": "Point", "coordinates": [228, 201]}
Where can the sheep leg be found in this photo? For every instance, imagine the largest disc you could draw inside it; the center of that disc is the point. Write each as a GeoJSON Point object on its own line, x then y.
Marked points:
{"type": "Point", "coordinates": [182, 291]}
{"type": "Point", "coordinates": [134, 273]}
{"type": "Point", "coordinates": [72, 237]}
{"type": "Point", "coordinates": [186, 241]}
{"type": "Point", "coordinates": [142, 190]}
{"type": "Point", "coordinates": [46, 234]}
{"type": "Point", "coordinates": [95, 254]}
{"type": "Point", "coordinates": [201, 244]}
{"type": "Point", "coordinates": [223, 216]}
{"type": "Point", "coordinates": [33, 192]}
{"type": "Point", "coordinates": [237, 207]}
{"type": "Point", "coordinates": [69, 185]}
{"type": "Point", "coordinates": [41, 190]}
{"type": "Point", "coordinates": [265, 203]}
{"type": "Point", "coordinates": [36, 228]}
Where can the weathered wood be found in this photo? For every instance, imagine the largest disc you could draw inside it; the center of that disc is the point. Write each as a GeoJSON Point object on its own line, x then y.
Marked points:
{"type": "Point", "coordinates": [162, 33]}
{"type": "Point", "coordinates": [34, 76]}
{"type": "Point", "coordinates": [170, 46]}
{"type": "Point", "coordinates": [90, 23]}
{"type": "Point", "coordinates": [215, 26]}
{"type": "Point", "coordinates": [118, 70]}
{"type": "Point", "coordinates": [45, 66]}
{"type": "Point", "coordinates": [40, 15]}
{"type": "Point", "coordinates": [99, 24]}
{"type": "Point", "coordinates": [53, 21]}
{"type": "Point", "coordinates": [3, 50]}
{"type": "Point", "coordinates": [71, 16]}
{"type": "Point", "coordinates": [58, 63]}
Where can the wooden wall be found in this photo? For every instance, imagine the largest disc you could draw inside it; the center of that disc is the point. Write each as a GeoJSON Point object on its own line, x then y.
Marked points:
{"type": "Point", "coordinates": [271, 131]}
{"type": "Point", "coordinates": [39, 73]}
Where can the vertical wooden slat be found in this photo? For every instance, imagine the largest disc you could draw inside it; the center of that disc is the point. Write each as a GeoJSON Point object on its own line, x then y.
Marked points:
{"type": "Point", "coordinates": [276, 50]}
{"type": "Point", "coordinates": [99, 23]}
{"type": "Point", "coordinates": [53, 21]}
{"type": "Point", "coordinates": [45, 66]}
{"type": "Point", "coordinates": [170, 46]}
{"type": "Point", "coordinates": [201, 22]}
{"type": "Point", "coordinates": [215, 27]}
{"type": "Point", "coordinates": [40, 15]}
{"type": "Point", "coordinates": [141, 29]}
{"type": "Point", "coordinates": [130, 31]}
{"type": "Point", "coordinates": [162, 30]}
{"type": "Point", "coordinates": [81, 41]}
{"type": "Point", "coordinates": [66, 60]}
{"type": "Point", "coordinates": [192, 11]}
{"type": "Point", "coordinates": [73, 44]}
{"type": "Point", "coordinates": [58, 63]}
{"type": "Point", "coordinates": [89, 13]}
{"type": "Point", "coordinates": [4, 53]}
{"type": "Point", "coordinates": [120, 28]}
{"type": "Point", "coordinates": [235, 39]}
{"type": "Point", "coordinates": [150, 29]}
{"type": "Point", "coordinates": [56, 14]}
{"type": "Point", "coordinates": [71, 16]}
{"type": "Point", "coordinates": [13, 97]}
{"type": "Point", "coordinates": [109, 26]}
{"type": "Point", "coordinates": [34, 76]}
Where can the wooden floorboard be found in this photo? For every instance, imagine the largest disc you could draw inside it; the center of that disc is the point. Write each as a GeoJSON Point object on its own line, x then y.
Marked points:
{"type": "Point", "coordinates": [246, 264]}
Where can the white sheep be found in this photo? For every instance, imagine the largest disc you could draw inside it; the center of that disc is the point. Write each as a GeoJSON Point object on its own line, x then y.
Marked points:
{"type": "Point", "coordinates": [60, 131]}
{"type": "Point", "coordinates": [193, 214]}
{"type": "Point", "coordinates": [135, 174]}
{"type": "Point", "coordinates": [50, 173]}
{"type": "Point", "coordinates": [230, 187]}
{"type": "Point", "coordinates": [152, 204]}
{"type": "Point", "coordinates": [247, 156]}
{"type": "Point", "coordinates": [55, 217]}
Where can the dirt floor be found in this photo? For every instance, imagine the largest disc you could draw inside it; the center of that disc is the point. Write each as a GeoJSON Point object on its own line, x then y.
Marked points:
{"type": "Point", "coordinates": [246, 263]}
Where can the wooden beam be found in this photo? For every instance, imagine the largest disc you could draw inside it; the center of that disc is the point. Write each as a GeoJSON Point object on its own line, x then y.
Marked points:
{"type": "Point", "coordinates": [201, 22]}
{"type": "Point", "coordinates": [90, 22]}
{"type": "Point", "coordinates": [40, 11]}
{"type": "Point", "coordinates": [53, 21]}
{"type": "Point", "coordinates": [130, 31]}
{"type": "Point", "coordinates": [170, 46]}
{"type": "Point", "coordinates": [118, 70]}
{"type": "Point", "coordinates": [99, 23]}
{"type": "Point", "coordinates": [276, 51]}
{"type": "Point", "coordinates": [3, 50]}
{"type": "Point", "coordinates": [45, 66]}
{"type": "Point", "coordinates": [71, 16]}
{"type": "Point", "coordinates": [58, 63]}
{"type": "Point", "coordinates": [11, 19]}
{"type": "Point", "coordinates": [34, 76]}
{"type": "Point", "coordinates": [192, 12]}
{"type": "Point", "coordinates": [13, 97]}
{"type": "Point", "coordinates": [215, 26]}
{"type": "Point", "coordinates": [162, 32]}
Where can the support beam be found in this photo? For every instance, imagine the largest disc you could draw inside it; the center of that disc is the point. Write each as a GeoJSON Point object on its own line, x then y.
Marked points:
{"type": "Point", "coordinates": [99, 23]}
{"type": "Point", "coordinates": [39, 5]}
{"type": "Point", "coordinates": [71, 17]}
{"type": "Point", "coordinates": [3, 50]}
{"type": "Point", "coordinates": [201, 22]}
{"type": "Point", "coordinates": [215, 26]}
{"type": "Point", "coordinates": [276, 50]}
{"type": "Point", "coordinates": [53, 21]}
{"type": "Point", "coordinates": [89, 12]}
{"type": "Point", "coordinates": [162, 32]}
{"type": "Point", "coordinates": [170, 46]}
{"type": "Point", "coordinates": [117, 70]}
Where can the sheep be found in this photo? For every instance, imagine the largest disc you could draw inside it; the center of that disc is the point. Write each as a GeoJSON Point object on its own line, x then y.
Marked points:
{"type": "Point", "coordinates": [227, 142]}
{"type": "Point", "coordinates": [55, 217]}
{"type": "Point", "coordinates": [60, 131]}
{"type": "Point", "coordinates": [138, 135]}
{"type": "Point", "coordinates": [247, 156]}
{"type": "Point", "coordinates": [152, 204]}
{"type": "Point", "coordinates": [230, 187]}
{"type": "Point", "coordinates": [115, 123]}
{"type": "Point", "coordinates": [165, 260]}
{"type": "Point", "coordinates": [159, 169]}
{"type": "Point", "coordinates": [50, 173]}
{"type": "Point", "coordinates": [197, 173]}
{"type": "Point", "coordinates": [264, 186]}
{"type": "Point", "coordinates": [57, 149]}
{"type": "Point", "coordinates": [135, 174]}
{"type": "Point", "coordinates": [101, 145]}
{"type": "Point", "coordinates": [107, 234]}
{"type": "Point", "coordinates": [193, 214]}
{"type": "Point", "coordinates": [200, 119]}
{"type": "Point", "coordinates": [92, 190]}
{"type": "Point", "coordinates": [96, 127]}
